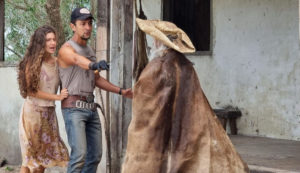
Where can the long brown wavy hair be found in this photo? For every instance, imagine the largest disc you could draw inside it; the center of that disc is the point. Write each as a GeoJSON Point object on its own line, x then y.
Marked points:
{"type": "Point", "coordinates": [32, 61]}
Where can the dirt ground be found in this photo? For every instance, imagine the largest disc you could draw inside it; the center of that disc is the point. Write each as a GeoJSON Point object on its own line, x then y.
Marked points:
{"type": "Point", "coordinates": [10, 169]}
{"type": "Point", "coordinates": [16, 169]}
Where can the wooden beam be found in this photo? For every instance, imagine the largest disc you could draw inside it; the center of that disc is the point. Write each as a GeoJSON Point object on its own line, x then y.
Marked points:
{"type": "Point", "coordinates": [121, 29]}
{"type": "Point", "coordinates": [103, 38]}
{"type": "Point", "coordinates": [128, 65]}
{"type": "Point", "coordinates": [2, 24]}
{"type": "Point", "coordinates": [116, 70]}
{"type": "Point", "coordinates": [102, 53]}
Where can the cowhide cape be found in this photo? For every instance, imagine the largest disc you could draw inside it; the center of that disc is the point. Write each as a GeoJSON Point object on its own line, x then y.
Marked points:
{"type": "Point", "coordinates": [173, 128]}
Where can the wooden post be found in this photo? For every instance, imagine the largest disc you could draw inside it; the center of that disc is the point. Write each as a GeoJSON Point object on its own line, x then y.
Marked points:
{"type": "Point", "coordinates": [102, 53]}
{"type": "Point", "coordinates": [121, 30]}
{"type": "Point", "coordinates": [2, 18]}
{"type": "Point", "coordinates": [128, 46]}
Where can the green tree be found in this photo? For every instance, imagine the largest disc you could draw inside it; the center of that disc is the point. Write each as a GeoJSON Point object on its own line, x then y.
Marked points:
{"type": "Point", "coordinates": [22, 17]}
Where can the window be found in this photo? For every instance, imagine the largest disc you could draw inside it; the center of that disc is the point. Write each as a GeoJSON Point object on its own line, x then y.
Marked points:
{"type": "Point", "coordinates": [192, 16]}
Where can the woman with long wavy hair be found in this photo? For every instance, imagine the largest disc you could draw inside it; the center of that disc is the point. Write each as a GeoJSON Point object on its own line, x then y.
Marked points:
{"type": "Point", "coordinates": [41, 145]}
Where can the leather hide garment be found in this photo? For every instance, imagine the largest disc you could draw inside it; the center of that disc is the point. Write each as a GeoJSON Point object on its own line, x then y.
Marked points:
{"type": "Point", "coordinates": [173, 128]}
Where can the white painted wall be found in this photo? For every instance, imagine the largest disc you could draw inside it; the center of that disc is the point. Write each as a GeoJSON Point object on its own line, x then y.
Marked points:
{"type": "Point", "coordinates": [10, 104]}
{"type": "Point", "coordinates": [255, 64]}
{"type": "Point", "coordinates": [10, 107]}
{"type": "Point", "coordinates": [152, 10]}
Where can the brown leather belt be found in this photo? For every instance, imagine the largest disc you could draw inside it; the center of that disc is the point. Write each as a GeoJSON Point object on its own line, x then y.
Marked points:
{"type": "Point", "coordinates": [76, 101]}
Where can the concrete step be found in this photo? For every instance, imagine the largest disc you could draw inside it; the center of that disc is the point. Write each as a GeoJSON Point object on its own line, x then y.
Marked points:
{"type": "Point", "coordinates": [261, 169]}
{"type": "Point", "coordinates": [267, 155]}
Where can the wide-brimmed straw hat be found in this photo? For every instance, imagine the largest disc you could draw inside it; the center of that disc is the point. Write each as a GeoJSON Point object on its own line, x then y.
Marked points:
{"type": "Point", "coordinates": [168, 33]}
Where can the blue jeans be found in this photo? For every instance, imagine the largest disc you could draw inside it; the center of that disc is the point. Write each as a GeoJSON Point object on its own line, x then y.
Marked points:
{"type": "Point", "coordinates": [85, 139]}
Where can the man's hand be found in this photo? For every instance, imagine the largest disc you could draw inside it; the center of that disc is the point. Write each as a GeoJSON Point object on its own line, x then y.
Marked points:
{"type": "Point", "coordinates": [127, 93]}
{"type": "Point", "coordinates": [101, 65]}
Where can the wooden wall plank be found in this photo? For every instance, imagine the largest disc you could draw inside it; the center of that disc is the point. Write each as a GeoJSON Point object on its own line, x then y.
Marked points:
{"type": "Point", "coordinates": [102, 53]}
{"type": "Point", "coordinates": [121, 29]}
{"type": "Point", "coordinates": [2, 24]}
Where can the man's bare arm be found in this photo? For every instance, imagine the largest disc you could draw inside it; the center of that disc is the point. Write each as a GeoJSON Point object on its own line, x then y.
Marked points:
{"type": "Point", "coordinates": [107, 86]}
{"type": "Point", "coordinates": [104, 84]}
{"type": "Point", "coordinates": [67, 57]}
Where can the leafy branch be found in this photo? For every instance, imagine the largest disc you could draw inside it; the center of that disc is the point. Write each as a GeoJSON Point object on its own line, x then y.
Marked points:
{"type": "Point", "coordinates": [16, 53]}
{"type": "Point", "coordinates": [17, 6]}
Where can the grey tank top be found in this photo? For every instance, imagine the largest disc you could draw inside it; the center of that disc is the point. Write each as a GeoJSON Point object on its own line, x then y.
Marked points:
{"type": "Point", "coordinates": [77, 80]}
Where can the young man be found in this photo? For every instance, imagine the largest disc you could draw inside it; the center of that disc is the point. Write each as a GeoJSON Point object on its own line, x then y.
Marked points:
{"type": "Point", "coordinates": [76, 70]}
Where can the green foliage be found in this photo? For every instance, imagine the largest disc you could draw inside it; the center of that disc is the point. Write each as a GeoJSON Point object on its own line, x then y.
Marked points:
{"type": "Point", "coordinates": [9, 169]}
{"type": "Point", "coordinates": [20, 23]}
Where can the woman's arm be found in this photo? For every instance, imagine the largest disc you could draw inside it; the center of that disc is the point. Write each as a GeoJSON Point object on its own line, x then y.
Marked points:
{"type": "Point", "coordinates": [43, 95]}
{"type": "Point", "coordinates": [47, 96]}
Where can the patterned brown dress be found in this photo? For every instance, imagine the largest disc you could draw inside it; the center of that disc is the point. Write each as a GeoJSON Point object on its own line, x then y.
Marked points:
{"type": "Point", "coordinates": [38, 128]}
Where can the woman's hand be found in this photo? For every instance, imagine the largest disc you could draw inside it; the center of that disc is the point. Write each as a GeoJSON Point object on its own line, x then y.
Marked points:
{"type": "Point", "coordinates": [63, 94]}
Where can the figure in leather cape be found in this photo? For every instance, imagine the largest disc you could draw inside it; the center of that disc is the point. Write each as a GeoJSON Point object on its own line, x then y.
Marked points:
{"type": "Point", "coordinates": [173, 128]}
